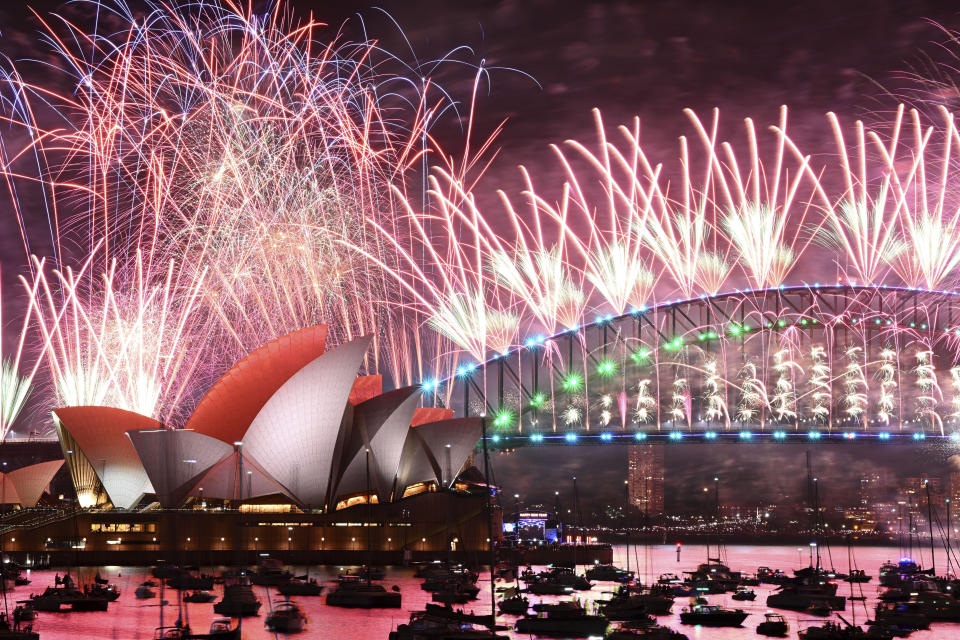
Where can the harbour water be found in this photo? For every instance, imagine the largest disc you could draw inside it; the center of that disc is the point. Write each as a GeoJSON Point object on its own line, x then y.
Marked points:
{"type": "Point", "coordinates": [132, 619]}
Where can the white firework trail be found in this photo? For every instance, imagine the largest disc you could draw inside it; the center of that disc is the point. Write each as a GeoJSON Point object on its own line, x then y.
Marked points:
{"type": "Point", "coordinates": [646, 406]}
{"type": "Point", "coordinates": [887, 373]}
{"type": "Point", "coordinates": [821, 390]}
{"type": "Point", "coordinates": [783, 404]}
{"type": "Point", "coordinates": [929, 388]}
{"type": "Point", "coordinates": [753, 395]}
{"type": "Point", "coordinates": [855, 385]}
{"type": "Point", "coordinates": [713, 397]}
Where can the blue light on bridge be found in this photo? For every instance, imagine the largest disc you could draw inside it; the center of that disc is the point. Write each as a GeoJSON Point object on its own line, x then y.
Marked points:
{"type": "Point", "coordinates": [710, 435]}
{"type": "Point", "coordinates": [745, 435]}
{"type": "Point", "coordinates": [639, 435]}
{"type": "Point", "coordinates": [883, 435]}
{"type": "Point", "coordinates": [606, 437]}
{"type": "Point", "coordinates": [536, 437]}
{"type": "Point", "coordinates": [429, 385]}
{"type": "Point", "coordinates": [919, 436]}
{"type": "Point", "coordinates": [495, 438]}
{"type": "Point", "coordinates": [850, 435]}
{"type": "Point", "coordinates": [955, 436]}
{"type": "Point", "coordinates": [570, 437]}
{"type": "Point", "coordinates": [779, 435]}
{"type": "Point", "coordinates": [676, 435]}
{"type": "Point", "coordinates": [813, 435]}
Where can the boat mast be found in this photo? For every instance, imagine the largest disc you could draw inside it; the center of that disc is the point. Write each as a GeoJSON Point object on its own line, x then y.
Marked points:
{"type": "Point", "coordinates": [933, 557]}
{"type": "Point", "coordinates": [493, 561]}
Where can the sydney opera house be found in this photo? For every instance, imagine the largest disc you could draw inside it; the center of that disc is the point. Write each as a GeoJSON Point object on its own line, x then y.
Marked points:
{"type": "Point", "coordinates": [289, 450]}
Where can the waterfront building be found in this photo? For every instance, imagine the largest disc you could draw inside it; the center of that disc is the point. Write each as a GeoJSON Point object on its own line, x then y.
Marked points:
{"type": "Point", "coordinates": [645, 479]}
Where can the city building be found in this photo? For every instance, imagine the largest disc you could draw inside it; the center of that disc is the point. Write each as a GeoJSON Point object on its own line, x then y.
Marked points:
{"type": "Point", "coordinates": [645, 477]}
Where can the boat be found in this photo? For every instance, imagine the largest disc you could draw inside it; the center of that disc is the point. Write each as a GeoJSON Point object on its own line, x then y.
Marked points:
{"type": "Point", "coordinates": [423, 626]}
{"type": "Point", "coordinates": [609, 572]}
{"type": "Point", "coordinates": [565, 619]}
{"type": "Point", "coordinates": [548, 588]}
{"type": "Point", "coordinates": [797, 596]}
{"type": "Point", "coordinates": [366, 573]}
{"type": "Point", "coordinates": [627, 631]}
{"type": "Point", "coordinates": [833, 631]}
{"type": "Point", "coordinates": [908, 615]}
{"type": "Point", "coordinates": [108, 591]}
{"type": "Point", "coordinates": [892, 575]}
{"type": "Point", "coordinates": [857, 575]}
{"type": "Point", "coordinates": [709, 615]}
{"type": "Point", "coordinates": [199, 597]}
{"type": "Point", "coordinates": [668, 578]}
{"type": "Point", "coordinates": [363, 595]}
{"type": "Point", "coordinates": [458, 615]}
{"type": "Point", "coordinates": [456, 594]}
{"type": "Point", "coordinates": [287, 617]}
{"type": "Point", "coordinates": [938, 607]}
{"type": "Point", "coordinates": [766, 575]}
{"type": "Point", "coordinates": [144, 593]}
{"type": "Point", "coordinates": [220, 629]}
{"type": "Point", "coordinates": [190, 582]}
{"type": "Point", "coordinates": [742, 594]}
{"type": "Point", "coordinates": [24, 613]}
{"type": "Point", "coordinates": [299, 587]}
{"type": "Point", "coordinates": [270, 573]}
{"type": "Point", "coordinates": [627, 599]}
{"type": "Point", "coordinates": [515, 605]}
{"type": "Point", "coordinates": [66, 599]}
{"type": "Point", "coordinates": [773, 625]}
{"type": "Point", "coordinates": [238, 601]}
{"type": "Point", "coordinates": [624, 608]}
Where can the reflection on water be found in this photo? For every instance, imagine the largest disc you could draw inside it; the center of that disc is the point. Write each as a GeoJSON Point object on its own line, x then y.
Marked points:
{"type": "Point", "coordinates": [131, 619]}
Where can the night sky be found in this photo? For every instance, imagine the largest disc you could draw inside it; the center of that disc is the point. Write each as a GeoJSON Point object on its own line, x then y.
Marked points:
{"type": "Point", "coordinates": [649, 59]}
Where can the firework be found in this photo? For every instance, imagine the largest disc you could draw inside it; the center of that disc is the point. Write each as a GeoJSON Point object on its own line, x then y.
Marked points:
{"type": "Point", "coordinates": [887, 373]}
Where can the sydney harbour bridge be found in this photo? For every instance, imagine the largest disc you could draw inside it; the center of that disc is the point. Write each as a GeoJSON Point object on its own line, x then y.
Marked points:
{"type": "Point", "coordinates": [818, 362]}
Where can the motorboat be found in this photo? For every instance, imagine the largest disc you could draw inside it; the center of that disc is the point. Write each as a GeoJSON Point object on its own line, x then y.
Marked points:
{"type": "Point", "coordinates": [238, 601]}
{"type": "Point", "coordinates": [907, 615]}
{"type": "Point", "coordinates": [668, 578]}
{"type": "Point", "coordinates": [624, 608]}
{"type": "Point", "coordinates": [220, 629]}
{"type": "Point", "coordinates": [300, 587]}
{"type": "Point", "coordinates": [627, 599]}
{"type": "Point", "coordinates": [709, 615]}
{"type": "Point", "coordinates": [773, 625]}
{"type": "Point", "coordinates": [767, 575]}
{"type": "Point", "coordinates": [744, 594]}
{"type": "Point", "coordinates": [66, 599]}
{"type": "Point", "coordinates": [270, 573]}
{"type": "Point", "coordinates": [609, 572]}
{"type": "Point", "coordinates": [797, 596]}
{"type": "Point", "coordinates": [905, 570]}
{"type": "Point", "coordinates": [938, 607]}
{"type": "Point", "coordinates": [144, 592]}
{"type": "Point", "coordinates": [627, 631]}
{"type": "Point", "coordinates": [108, 591]}
{"type": "Point", "coordinates": [190, 582]}
{"type": "Point", "coordinates": [857, 575]}
{"type": "Point", "coordinates": [833, 631]}
{"type": "Point", "coordinates": [199, 597]}
{"type": "Point", "coordinates": [287, 617]}
{"type": "Point", "coordinates": [566, 619]}
{"type": "Point", "coordinates": [363, 595]}
{"type": "Point", "coordinates": [366, 573]}
{"type": "Point", "coordinates": [458, 615]}
{"type": "Point", "coordinates": [423, 626]}
{"type": "Point", "coordinates": [747, 580]}
{"type": "Point", "coordinates": [515, 605]}
{"type": "Point", "coordinates": [549, 588]}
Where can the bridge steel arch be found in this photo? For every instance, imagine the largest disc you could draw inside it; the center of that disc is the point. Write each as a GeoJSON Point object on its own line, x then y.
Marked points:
{"type": "Point", "coordinates": [834, 363]}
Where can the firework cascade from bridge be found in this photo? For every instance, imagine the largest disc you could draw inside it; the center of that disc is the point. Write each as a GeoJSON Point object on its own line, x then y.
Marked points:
{"type": "Point", "coordinates": [828, 362]}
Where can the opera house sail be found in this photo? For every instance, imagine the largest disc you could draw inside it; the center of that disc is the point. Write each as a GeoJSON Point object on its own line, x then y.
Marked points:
{"type": "Point", "coordinates": [292, 420]}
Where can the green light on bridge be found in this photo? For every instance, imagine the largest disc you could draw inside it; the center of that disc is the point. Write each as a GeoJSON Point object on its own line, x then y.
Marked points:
{"type": "Point", "coordinates": [640, 355]}
{"type": "Point", "coordinates": [503, 418]}
{"type": "Point", "coordinates": [572, 383]}
{"type": "Point", "coordinates": [676, 343]}
{"type": "Point", "coordinates": [537, 400]}
{"type": "Point", "coordinates": [606, 368]}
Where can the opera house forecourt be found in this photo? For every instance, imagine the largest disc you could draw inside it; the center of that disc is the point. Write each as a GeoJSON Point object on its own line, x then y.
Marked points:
{"type": "Point", "coordinates": [290, 452]}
